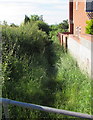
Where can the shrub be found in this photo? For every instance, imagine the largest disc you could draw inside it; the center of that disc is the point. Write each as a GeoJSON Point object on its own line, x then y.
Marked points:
{"type": "Point", "coordinates": [89, 27]}
{"type": "Point", "coordinates": [28, 69]}
{"type": "Point", "coordinates": [43, 26]}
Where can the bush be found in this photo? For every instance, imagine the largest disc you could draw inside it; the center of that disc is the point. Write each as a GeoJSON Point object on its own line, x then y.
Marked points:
{"type": "Point", "coordinates": [28, 69]}
{"type": "Point", "coordinates": [43, 26]}
{"type": "Point", "coordinates": [89, 27]}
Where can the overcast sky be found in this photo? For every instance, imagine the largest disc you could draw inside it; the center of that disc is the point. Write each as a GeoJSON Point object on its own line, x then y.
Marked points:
{"type": "Point", "coordinates": [14, 11]}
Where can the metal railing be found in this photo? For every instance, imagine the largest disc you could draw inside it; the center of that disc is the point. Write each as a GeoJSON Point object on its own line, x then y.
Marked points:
{"type": "Point", "coordinates": [5, 102]}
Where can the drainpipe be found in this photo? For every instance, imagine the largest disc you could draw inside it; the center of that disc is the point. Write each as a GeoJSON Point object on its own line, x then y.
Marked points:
{"type": "Point", "coordinates": [71, 16]}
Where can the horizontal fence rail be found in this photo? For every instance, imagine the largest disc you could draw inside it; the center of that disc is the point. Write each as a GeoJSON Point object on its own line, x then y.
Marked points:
{"type": "Point", "coordinates": [5, 102]}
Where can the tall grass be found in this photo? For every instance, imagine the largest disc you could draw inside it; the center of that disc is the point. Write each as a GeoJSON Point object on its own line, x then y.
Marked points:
{"type": "Point", "coordinates": [75, 86]}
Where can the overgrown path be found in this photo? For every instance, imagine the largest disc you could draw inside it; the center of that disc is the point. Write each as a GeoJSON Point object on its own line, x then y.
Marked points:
{"type": "Point", "coordinates": [39, 71]}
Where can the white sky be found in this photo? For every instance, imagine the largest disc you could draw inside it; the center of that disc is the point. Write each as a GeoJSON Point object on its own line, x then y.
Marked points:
{"type": "Point", "coordinates": [14, 11]}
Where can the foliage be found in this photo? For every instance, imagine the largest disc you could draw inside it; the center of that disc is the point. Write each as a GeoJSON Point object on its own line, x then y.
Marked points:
{"type": "Point", "coordinates": [5, 23]}
{"type": "Point", "coordinates": [27, 19]}
{"type": "Point", "coordinates": [36, 18]}
{"type": "Point", "coordinates": [33, 18]}
{"type": "Point", "coordinates": [39, 22]}
{"type": "Point", "coordinates": [27, 64]}
{"type": "Point", "coordinates": [89, 27]}
{"type": "Point", "coordinates": [37, 70]}
{"type": "Point", "coordinates": [13, 25]}
{"type": "Point", "coordinates": [43, 26]}
{"type": "Point", "coordinates": [75, 87]}
{"type": "Point", "coordinates": [62, 27]}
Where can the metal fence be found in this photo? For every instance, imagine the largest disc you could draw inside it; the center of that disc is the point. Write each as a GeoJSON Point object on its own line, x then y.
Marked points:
{"type": "Point", "coordinates": [5, 102]}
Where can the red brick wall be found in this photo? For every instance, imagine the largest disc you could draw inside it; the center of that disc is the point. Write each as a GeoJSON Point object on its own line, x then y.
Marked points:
{"type": "Point", "coordinates": [79, 16]}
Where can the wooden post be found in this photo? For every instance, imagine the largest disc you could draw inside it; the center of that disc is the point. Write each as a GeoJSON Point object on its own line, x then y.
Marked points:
{"type": "Point", "coordinates": [61, 39]}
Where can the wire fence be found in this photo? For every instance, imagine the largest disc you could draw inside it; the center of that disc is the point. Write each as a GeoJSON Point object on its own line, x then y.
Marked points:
{"type": "Point", "coordinates": [5, 102]}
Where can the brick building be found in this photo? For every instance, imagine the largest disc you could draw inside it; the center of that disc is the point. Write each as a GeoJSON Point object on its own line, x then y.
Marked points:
{"type": "Point", "coordinates": [78, 43]}
{"type": "Point", "coordinates": [79, 12]}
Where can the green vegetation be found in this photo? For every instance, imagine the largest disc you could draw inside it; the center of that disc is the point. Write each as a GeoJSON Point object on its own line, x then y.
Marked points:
{"type": "Point", "coordinates": [33, 18]}
{"type": "Point", "coordinates": [54, 29]}
{"type": "Point", "coordinates": [75, 86]}
{"type": "Point", "coordinates": [89, 27]}
{"type": "Point", "coordinates": [39, 21]}
{"type": "Point", "coordinates": [37, 70]}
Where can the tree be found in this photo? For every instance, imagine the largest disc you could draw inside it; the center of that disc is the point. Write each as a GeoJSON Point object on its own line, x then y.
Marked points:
{"type": "Point", "coordinates": [36, 18]}
{"type": "Point", "coordinates": [43, 26]}
{"type": "Point", "coordinates": [64, 25]}
{"type": "Point", "coordinates": [33, 18]}
{"type": "Point", "coordinates": [5, 23]}
{"type": "Point", "coordinates": [27, 19]}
